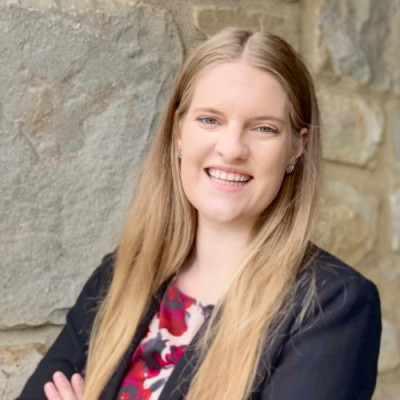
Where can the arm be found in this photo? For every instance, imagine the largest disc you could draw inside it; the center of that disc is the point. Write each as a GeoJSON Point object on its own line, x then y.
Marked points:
{"type": "Point", "coordinates": [334, 356]}
{"type": "Point", "coordinates": [68, 353]}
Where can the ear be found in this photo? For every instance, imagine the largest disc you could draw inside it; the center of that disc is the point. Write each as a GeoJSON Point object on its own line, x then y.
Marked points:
{"type": "Point", "coordinates": [300, 145]}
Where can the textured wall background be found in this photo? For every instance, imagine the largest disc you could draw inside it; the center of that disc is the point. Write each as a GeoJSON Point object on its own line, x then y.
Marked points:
{"type": "Point", "coordinates": [82, 83]}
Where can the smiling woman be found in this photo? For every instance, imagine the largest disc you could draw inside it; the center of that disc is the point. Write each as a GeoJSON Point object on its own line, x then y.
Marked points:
{"type": "Point", "coordinates": [215, 290]}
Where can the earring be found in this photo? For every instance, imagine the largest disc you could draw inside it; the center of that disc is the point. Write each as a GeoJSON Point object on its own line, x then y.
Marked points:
{"type": "Point", "coordinates": [289, 169]}
{"type": "Point", "coordinates": [179, 153]}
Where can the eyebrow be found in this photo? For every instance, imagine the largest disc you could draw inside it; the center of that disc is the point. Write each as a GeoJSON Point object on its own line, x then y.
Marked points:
{"type": "Point", "coordinates": [260, 118]}
{"type": "Point", "coordinates": [208, 109]}
{"type": "Point", "coordinates": [269, 117]}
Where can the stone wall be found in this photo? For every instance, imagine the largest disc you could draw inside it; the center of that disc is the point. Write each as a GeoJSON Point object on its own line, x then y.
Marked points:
{"type": "Point", "coordinates": [82, 83]}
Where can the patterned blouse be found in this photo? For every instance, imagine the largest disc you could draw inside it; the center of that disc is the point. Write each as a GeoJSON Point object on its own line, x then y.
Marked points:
{"type": "Point", "coordinates": [171, 330]}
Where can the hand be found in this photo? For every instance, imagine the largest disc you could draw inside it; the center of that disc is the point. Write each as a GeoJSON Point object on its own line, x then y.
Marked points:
{"type": "Point", "coordinates": [62, 389]}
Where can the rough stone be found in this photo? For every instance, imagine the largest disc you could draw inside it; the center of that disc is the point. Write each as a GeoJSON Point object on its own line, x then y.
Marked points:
{"type": "Point", "coordinates": [348, 47]}
{"type": "Point", "coordinates": [120, 8]}
{"type": "Point", "coordinates": [111, 7]}
{"type": "Point", "coordinates": [353, 128]}
{"type": "Point", "coordinates": [388, 388]}
{"type": "Point", "coordinates": [79, 99]}
{"type": "Point", "coordinates": [11, 2]}
{"type": "Point", "coordinates": [347, 226]}
{"type": "Point", "coordinates": [42, 4]}
{"type": "Point", "coordinates": [396, 221]}
{"type": "Point", "coordinates": [76, 6]}
{"type": "Point", "coordinates": [17, 363]}
{"type": "Point", "coordinates": [389, 357]}
{"type": "Point", "coordinates": [42, 336]}
{"type": "Point", "coordinates": [286, 27]}
{"type": "Point", "coordinates": [20, 351]}
{"type": "Point", "coordinates": [394, 126]}
{"type": "Point", "coordinates": [210, 20]}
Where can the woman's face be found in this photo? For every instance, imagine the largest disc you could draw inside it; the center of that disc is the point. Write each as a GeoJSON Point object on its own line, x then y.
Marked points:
{"type": "Point", "coordinates": [236, 144]}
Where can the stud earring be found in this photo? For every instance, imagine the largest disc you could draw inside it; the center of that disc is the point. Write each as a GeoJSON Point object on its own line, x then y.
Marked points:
{"type": "Point", "coordinates": [179, 153]}
{"type": "Point", "coordinates": [289, 169]}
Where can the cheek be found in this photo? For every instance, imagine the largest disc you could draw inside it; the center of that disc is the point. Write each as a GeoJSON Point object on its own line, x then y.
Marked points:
{"type": "Point", "coordinates": [196, 148]}
{"type": "Point", "coordinates": [191, 167]}
{"type": "Point", "coordinates": [192, 139]}
{"type": "Point", "coordinates": [274, 161]}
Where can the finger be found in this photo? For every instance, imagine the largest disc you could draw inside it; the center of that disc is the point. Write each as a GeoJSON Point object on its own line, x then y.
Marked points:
{"type": "Point", "coordinates": [63, 385]}
{"type": "Point", "coordinates": [51, 391]}
{"type": "Point", "coordinates": [78, 385]}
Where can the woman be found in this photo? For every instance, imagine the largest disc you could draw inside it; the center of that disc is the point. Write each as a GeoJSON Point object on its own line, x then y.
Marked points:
{"type": "Point", "coordinates": [215, 291]}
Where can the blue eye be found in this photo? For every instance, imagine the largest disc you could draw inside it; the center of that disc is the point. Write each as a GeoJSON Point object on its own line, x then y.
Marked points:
{"type": "Point", "coordinates": [267, 129]}
{"type": "Point", "coordinates": [208, 121]}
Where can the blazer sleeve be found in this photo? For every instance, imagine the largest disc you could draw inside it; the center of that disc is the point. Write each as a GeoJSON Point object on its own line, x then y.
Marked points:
{"type": "Point", "coordinates": [333, 356]}
{"type": "Point", "coordinates": [69, 351]}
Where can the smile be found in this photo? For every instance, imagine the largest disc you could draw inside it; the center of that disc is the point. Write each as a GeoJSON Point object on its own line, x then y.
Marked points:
{"type": "Point", "coordinates": [230, 178]}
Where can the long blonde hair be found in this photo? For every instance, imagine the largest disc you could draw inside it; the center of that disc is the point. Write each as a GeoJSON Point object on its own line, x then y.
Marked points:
{"type": "Point", "coordinates": [160, 233]}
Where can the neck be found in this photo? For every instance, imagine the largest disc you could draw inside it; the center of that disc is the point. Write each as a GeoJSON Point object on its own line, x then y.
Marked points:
{"type": "Point", "coordinates": [219, 249]}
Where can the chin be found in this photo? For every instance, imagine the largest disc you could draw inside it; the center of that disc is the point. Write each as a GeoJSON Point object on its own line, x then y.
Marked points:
{"type": "Point", "coordinates": [224, 217]}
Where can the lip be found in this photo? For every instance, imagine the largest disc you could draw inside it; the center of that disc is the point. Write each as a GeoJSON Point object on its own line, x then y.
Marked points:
{"type": "Point", "coordinates": [225, 186]}
{"type": "Point", "coordinates": [229, 169]}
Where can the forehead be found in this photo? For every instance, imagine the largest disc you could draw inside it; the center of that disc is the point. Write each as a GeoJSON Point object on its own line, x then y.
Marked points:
{"type": "Point", "coordinates": [240, 87]}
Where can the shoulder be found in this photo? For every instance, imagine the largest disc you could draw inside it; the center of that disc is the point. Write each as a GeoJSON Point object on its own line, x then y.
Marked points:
{"type": "Point", "coordinates": [333, 287]}
{"type": "Point", "coordinates": [100, 279]}
{"type": "Point", "coordinates": [84, 311]}
{"type": "Point", "coordinates": [331, 335]}
{"type": "Point", "coordinates": [330, 272]}
{"type": "Point", "coordinates": [330, 267]}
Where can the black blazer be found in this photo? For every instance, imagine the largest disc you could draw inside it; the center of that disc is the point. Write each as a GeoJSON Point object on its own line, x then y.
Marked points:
{"type": "Point", "coordinates": [332, 356]}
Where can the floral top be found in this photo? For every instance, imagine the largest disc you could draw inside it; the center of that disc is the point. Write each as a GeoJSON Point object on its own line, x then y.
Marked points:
{"type": "Point", "coordinates": [169, 333]}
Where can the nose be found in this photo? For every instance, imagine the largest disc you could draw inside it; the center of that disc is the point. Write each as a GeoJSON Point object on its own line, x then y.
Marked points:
{"type": "Point", "coordinates": [231, 144]}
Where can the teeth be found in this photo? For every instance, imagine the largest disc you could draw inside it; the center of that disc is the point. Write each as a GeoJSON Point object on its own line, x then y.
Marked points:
{"type": "Point", "coordinates": [228, 177]}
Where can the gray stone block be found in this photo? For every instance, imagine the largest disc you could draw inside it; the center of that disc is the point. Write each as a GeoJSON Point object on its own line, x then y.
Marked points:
{"type": "Point", "coordinates": [360, 40]}
{"type": "Point", "coordinates": [347, 225]}
{"type": "Point", "coordinates": [283, 20]}
{"type": "Point", "coordinates": [16, 365]}
{"type": "Point", "coordinates": [80, 95]}
{"type": "Point", "coordinates": [353, 128]}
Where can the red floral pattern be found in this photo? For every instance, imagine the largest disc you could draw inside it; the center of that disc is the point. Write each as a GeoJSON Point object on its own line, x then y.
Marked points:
{"type": "Point", "coordinates": [170, 331]}
{"type": "Point", "coordinates": [173, 310]}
